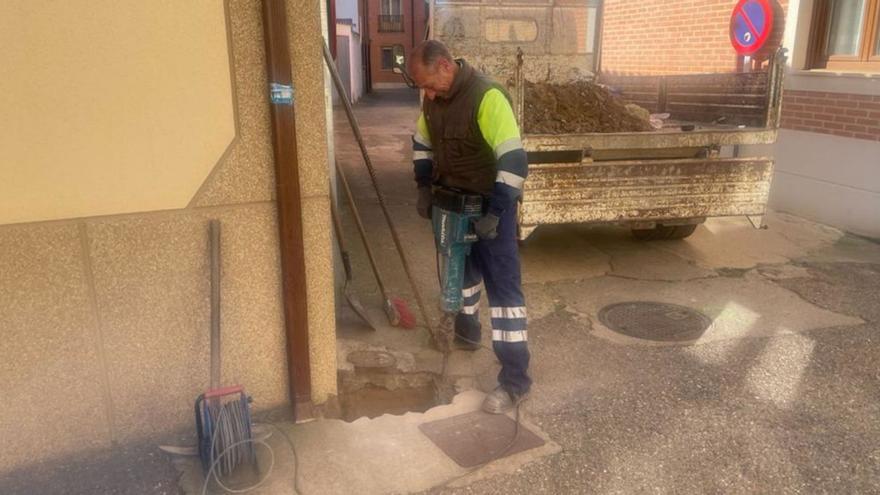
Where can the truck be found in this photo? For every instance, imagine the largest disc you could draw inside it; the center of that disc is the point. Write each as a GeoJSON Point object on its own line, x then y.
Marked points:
{"type": "Point", "coordinates": [661, 184]}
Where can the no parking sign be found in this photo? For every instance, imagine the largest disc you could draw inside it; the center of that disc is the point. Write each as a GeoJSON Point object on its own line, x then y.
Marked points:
{"type": "Point", "coordinates": [750, 25]}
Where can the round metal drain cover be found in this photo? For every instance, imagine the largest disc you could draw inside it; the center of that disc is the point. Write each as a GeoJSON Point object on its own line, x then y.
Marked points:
{"type": "Point", "coordinates": [655, 321]}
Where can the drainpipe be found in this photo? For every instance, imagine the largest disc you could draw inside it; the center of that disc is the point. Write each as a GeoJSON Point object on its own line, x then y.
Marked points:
{"type": "Point", "coordinates": [290, 226]}
{"type": "Point", "coordinates": [331, 26]}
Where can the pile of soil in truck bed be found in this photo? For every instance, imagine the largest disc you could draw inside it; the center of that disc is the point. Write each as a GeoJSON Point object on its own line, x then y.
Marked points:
{"type": "Point", "coordinates": [577, 108]}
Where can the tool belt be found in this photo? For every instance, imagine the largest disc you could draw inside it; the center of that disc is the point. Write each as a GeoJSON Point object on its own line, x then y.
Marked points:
{"type": "Point", "coordinates": [458, 201]}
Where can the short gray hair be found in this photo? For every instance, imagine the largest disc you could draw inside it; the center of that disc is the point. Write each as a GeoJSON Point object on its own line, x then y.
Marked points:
{"type": "Point", "coordinates": [428, 52]}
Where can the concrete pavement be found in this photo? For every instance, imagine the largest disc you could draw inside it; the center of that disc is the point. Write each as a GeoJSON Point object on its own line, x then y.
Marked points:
{"type": "Point", "coordinates": [781, 394]}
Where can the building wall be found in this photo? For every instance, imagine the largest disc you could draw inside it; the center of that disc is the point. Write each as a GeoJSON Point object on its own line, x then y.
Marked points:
{"type": "Point", "coordinates": [355, 75]}
{"type": "Point", "coordinates": [348, 9]}
{"type": "Point", "coordinates": [113, 118]}
{"type": "Point", "coordinates": [105, 310]}
{"type": "Point", "coordinates": [662, 37]}
{"type": "Point", "coordinates": [557, 37]}
{"type": "Point", "coordinates": [828, 112]}
{"type": "Point", "coordinates": [828, 178]}
{"type": "Point", "coordinates": [408, 38]}
{"type": "Point", "coordinates": [826, 153]}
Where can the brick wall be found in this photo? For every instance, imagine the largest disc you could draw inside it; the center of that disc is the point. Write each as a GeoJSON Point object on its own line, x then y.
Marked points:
{"type": "Point", "coordinates": [406, 38]}
{"type": "Point", "coordinates": [847, 115]}
{"type": "Point", "coordinates": [663, 37]}
{"type": "Point", "coordinates": [669, 37]}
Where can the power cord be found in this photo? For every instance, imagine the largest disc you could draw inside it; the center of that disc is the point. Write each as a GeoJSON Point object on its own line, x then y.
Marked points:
{"type": "Point", "coordinates": [228, 422]}
{"type": "Point", "coordinates": [447, 328]}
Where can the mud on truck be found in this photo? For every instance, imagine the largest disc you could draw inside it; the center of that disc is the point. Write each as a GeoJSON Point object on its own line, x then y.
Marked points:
{"type": "Point", "coordinates": [658, 154]}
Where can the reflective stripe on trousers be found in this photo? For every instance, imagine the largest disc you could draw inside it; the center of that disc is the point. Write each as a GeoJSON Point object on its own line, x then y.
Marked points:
{"type": "Point", "coordinates": [495, 263]}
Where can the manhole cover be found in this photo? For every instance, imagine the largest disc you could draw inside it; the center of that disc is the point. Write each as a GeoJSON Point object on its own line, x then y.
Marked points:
{"type": "Point", "coordinates": [655, 321]}
{"type": "Point", "coordinates": [475, 438]}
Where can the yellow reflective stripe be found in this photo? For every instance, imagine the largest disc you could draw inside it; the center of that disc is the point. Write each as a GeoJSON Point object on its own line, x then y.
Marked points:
{"type": "Point", "coordinates": [422, 135]}
{"type": "Point", "coordinates": [496, 120]}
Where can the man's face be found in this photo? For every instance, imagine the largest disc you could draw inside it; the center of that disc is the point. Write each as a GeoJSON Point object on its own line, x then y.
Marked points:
{"type": "Point", "coordinates": [435, 81]}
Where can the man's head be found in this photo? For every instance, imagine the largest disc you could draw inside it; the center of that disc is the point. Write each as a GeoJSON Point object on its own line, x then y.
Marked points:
{"type": "Point", "coordinates": [432, 68]}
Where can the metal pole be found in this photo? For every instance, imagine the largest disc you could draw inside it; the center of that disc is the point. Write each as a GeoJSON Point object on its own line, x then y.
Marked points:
{"type": "Point", "coordinates": [214, 242]}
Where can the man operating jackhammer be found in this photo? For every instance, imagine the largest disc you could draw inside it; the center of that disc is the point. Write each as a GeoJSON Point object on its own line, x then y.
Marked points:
{"type": "Point", "coordinates": [467, 143]}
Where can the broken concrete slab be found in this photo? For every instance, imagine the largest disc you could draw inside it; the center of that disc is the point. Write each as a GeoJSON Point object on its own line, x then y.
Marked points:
{"type": "Point", "coordinates": [388, 454]}
{"type": "Point", "coordinates": [849, 288]}
{"type": "Point", "coordinates": [848, 248]}
{"type": "Point", "coordinates": [732, 242]}
{"type": "Point", "coordinates": [649, 263]}
{"type": "Point", "coordinates": [747, 307]}
{"type": "Point", "coordinates": [783, 272]}
{"type": "Point", "coordinates": [561, 252]}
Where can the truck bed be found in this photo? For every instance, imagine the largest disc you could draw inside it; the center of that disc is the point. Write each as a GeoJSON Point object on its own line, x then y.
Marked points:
{"type": "Point", "coordinates": [722, 109]}
{"type": "Point", "coordinates": [701, 137]}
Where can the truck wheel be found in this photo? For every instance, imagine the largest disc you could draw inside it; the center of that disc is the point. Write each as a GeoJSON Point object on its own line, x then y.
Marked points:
{"type": "Point", "coordinates": [664, 232]}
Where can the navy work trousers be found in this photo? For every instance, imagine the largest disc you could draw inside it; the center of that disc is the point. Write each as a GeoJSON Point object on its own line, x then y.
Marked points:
{"type": "Point", "coordinates": [495, 263]}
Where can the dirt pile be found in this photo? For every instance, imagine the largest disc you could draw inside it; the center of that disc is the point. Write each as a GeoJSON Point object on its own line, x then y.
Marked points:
{"type": "Point", "coordinates": [579, 107]}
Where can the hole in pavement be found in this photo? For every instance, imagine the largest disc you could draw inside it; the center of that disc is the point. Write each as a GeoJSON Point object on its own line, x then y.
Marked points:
{"type": "Point", "coordinates": [373, 401]}
{"type": "Point", "coordinates": [376, 387]}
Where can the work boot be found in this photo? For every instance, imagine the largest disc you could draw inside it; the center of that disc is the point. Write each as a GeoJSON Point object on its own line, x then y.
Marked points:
{"type": "Point", "coordinates": [499, 401]}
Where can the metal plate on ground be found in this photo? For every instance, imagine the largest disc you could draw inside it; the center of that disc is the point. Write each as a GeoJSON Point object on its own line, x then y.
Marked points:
{"type": "Point", "coordinates": [476, 438]}
{"type": "Point", "coordinates": [655, 321]}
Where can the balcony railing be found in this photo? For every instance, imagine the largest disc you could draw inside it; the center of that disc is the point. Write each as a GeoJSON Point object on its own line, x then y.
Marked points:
{"type": "Point", "coordinates": [390, 23]}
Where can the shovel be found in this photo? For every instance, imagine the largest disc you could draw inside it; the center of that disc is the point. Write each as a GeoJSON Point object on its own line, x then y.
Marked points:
{"type": "Point", "coordinates": [347, 289]}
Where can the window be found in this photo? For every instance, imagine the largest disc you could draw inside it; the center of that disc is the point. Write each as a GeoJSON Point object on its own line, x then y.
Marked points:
{"type": "Point", "coordinates": [389, 7]}
{"type": "Point", "coordinates": [390, 54]}
{"type": "Point", "coordinates": [846, 35]}
{"type": "Point", "coordinates": [390, 17]}
{"type": "Point", "coordinates": [387, 58]}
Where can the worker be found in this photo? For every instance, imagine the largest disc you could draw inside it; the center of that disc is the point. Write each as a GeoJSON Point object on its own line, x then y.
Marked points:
{"type": "Point", "coordinates": [467, 139]}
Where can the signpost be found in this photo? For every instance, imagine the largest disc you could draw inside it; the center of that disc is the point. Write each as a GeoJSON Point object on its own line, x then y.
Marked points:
{"type": "Point", "coordinates": [750, 26]}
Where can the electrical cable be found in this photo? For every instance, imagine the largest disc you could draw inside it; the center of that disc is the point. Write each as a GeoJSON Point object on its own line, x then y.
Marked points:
{"type": "Point", "coordinates": [228, 426]}
{"type": "Point", "coordinates": [296, 487]}
{"type": "Point", "coordinates": [238, 423]}
{"type": "Point", "coordinates": [448, 329]}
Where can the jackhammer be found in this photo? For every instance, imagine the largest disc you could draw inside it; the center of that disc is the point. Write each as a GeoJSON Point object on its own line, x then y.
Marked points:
{"type": "Point", "coordinates": [452, 215]}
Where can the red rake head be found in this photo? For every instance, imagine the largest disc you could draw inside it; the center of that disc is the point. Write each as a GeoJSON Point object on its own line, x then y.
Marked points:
{"type": "Point", "coordinates": [399, 314]}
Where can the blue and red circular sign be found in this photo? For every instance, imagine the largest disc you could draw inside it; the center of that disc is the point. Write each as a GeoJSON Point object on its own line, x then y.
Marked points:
{"type": "Point", "coordinates": [750, 25]}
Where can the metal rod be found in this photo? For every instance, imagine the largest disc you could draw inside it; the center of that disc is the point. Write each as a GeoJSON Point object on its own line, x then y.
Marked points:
{"type": "Point", "coordinates": [214, 242]}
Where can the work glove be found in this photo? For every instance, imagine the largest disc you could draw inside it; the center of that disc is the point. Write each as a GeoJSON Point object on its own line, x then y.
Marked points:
{"type": "Point", "coordinates": [423, 205]}
{"type": "Point", "coordinates": [487, 227]}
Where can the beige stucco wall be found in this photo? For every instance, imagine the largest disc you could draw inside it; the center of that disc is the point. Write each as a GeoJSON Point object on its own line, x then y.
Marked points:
{"type": "Point", "coordinates": [135, 97]}
{"type": "Point", "coordinates": [105, 315]}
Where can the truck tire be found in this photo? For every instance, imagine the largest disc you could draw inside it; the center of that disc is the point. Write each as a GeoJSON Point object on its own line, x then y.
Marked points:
{"type": "Point", "coordinates": [664, 232]}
